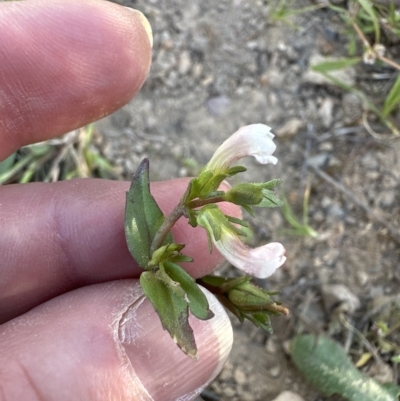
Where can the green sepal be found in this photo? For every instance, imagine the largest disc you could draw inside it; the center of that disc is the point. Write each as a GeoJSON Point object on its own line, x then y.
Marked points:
{"type": "Point", "coordinates": [198, 303]}
{"type": "Point", "coordinates": [254, 194]}
{"type": "Point", "coordinates": [249, 210]}
{"type": "Point", "coordinates": [272, 184]}
{"type": "Point", "coordinates": [235, 170]}
{"type": "Point", "coordinates": [143, 217]}
{"type": "Point", "coordinates": [172, 309]}
{"type": "Point", "coordinates": [269, 200]}
{"type": "Point", "coordinates": [244, 299]}
{"type": "Point", "coordinates": [260, 320]}
{"type": "Point", "coordinates": [237, 221]}
{"type": "Point", "coordinates": [209, 217]}
{"type": "Point", "coordinates": [188, 191]}
{"type": "Point", "coordinates": [181, 259]}
{"type": "Point", "coordinates": [211, 186]}
{"type": "Point", "coordinates": [164, 253]}
{"type": "Point", "coordinates": [250, 298]}
{"type": "Point", "coordinates": [244, 194]}
{"type": "Point", "coordinates": [192, 216]}
{"type": "Point", "coordinates": [213, 281]}
{"type": "Point", "coordinates": [197, 185]}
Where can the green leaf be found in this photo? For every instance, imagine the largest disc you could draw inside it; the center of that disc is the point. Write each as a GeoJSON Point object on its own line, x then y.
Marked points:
{"type": "Point", "coordinates": [327, 367]}
{"type": "Point", "coordinates": [393, 98]}
{"type": "Point", "coordinates": [367, 6]}
{"type": "Point", "coordinates": [335, 65]}
{"type": "Point", "coordinates": [198, 303]}
{"type": "Point", "coordinates": [6, 164]}
{"type": "Point", "coordinates": [173, 311]}
{"type": "Point", "coordinates": [143, 217]}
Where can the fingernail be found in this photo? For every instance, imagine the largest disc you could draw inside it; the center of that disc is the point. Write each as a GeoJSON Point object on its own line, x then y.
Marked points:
{"type": "Point", "coordinates": [163, 369]}
{"type": "Point", "coordinates": [145, 22]}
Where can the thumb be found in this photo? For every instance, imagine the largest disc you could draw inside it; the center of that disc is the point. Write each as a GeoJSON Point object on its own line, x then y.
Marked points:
{"type": "Point", "coordinates": [105, 342]}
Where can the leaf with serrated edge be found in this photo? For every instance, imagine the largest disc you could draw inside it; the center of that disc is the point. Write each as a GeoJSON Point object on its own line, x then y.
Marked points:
{"type": "Point", "coordinates": [173, 311]}
{"type": "Point", "coordinates": [198, 303]}
{"type": "Point", "coordinates": [143, 217]}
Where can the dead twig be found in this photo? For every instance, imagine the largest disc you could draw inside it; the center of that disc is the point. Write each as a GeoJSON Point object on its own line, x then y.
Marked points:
{"type": "Point", "coordinates": [393, 231]}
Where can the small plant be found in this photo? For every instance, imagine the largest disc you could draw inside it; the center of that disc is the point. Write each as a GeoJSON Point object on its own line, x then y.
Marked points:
{"type": "Point", "coordinates": [169, 288]}
{"type": "Point", "coordinates": [366, 22]}
{"type": "Point", "coordinates": [299, 227]}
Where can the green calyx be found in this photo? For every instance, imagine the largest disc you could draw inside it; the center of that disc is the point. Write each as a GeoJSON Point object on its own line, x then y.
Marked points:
{"type": "Point", "coordinates": [254, 194]}
{"type": "Point", "coordinates": [244, 299]}
{"type": "Point", "coordinates": [171, 253]}
{"type": "Point", "coordinates": [208, 183]}
{"type": "Point", "coordinates": [215, 223]}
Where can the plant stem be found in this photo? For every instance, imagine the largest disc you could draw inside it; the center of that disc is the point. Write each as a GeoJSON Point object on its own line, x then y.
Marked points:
{"type": "Point", "coordinates": [202, 202]}
{"type": "Point", "coordinates": [166, 226]}
{"type": "Point", "coordinates": [389, 62]}
{"type": "Point", "coordinates": [175, 215]}
{"type": "Point", "coordinates": [360, 34]}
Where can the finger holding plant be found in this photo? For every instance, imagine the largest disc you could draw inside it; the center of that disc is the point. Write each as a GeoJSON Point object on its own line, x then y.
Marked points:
{"type": "Point", "coordinates": [172, 291]}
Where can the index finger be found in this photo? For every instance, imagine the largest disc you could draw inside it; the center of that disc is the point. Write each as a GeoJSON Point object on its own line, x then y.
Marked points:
{"type": "Point", "coordinates": [65, 63]}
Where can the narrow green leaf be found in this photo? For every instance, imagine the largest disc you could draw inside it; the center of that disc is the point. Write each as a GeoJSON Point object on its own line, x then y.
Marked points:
{"type": "Point", "coordinates": [393, 98]}
{"type": "Point", "coordinates": [15, 168]}
{"type": "Point", "coordinates": [6, 164]}
{"type": "Point", "coordinates": [143, 217]}
{"type": "Point", "coordinates": [327, 367]}
{"type": "Point", "coordinates": [173, 311]}
{"type": "Point", "coordinates": [335, 65]}
{"type": "Point", "coordinates": [367, 6]}
{"type": "Point", "coordinates": [198, 303]}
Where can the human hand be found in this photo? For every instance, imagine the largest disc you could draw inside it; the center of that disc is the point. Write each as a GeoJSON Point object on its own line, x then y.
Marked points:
{"type": "Point", "coordinates": [75, 325]}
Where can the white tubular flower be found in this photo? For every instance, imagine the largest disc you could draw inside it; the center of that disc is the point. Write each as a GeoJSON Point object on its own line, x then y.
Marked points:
{"type": "Point", "coordinates": [259, 262]}
{"type": "Point", "coordinates": [252, 140]}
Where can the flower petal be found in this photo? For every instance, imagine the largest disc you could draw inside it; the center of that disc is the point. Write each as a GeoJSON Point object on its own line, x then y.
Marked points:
{"type": "Point", "coordinates": [252, 140]}
{"type": "Point", "coordinates": [260, 262]}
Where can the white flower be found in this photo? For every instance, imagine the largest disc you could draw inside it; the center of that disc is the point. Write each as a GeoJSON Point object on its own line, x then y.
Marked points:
{"type": "Point", "coordinates": [251, 140]}
{"type": "Point", "coordinates": [260, 262]}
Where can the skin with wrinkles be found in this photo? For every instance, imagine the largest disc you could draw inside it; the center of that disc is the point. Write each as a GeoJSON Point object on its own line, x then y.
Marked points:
{"type": "Point", "coordinates": [84, 59]}
{"type": "Point", "coordinates": [64, 293]}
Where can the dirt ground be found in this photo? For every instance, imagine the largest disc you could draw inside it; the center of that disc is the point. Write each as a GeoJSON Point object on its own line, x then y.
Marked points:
{"type": "Point", "coordinates": [220, 65]}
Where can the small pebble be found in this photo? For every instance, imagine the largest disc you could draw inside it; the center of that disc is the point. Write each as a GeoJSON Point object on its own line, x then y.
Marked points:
{"type": "Point", "coordinates": [288, 396]}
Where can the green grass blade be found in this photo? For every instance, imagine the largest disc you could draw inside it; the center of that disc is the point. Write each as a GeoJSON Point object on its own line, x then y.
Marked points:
{"type": "Point", "coordinates": [393, 98]}
{"type": "Point", "coordinates": [6, 164]}
{"type": "Point", "coordinates": [336, 65]}
{"type": "Point", "coordinates": [367, 6]}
